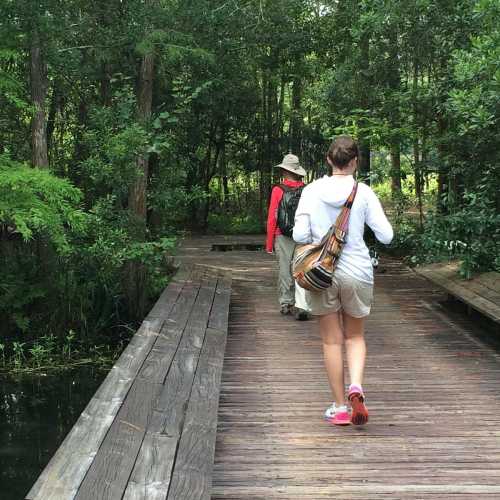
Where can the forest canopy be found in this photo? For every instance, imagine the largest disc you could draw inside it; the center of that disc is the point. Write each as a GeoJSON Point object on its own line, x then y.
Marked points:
{"type": "Point", "coordinates": [124, 124]}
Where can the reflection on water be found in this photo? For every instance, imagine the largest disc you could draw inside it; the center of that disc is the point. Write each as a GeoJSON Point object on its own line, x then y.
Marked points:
{"type": "Point", "coordinates": [35, 416]}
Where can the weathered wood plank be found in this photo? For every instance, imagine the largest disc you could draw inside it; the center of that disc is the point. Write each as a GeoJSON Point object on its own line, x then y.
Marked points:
{"type": "Point", "coordinates": [192, 475]}
{"type": "Point", "coordinates": [166, 299]}
{"type": "Point", "coordinates": [111, 456]}
{"type": "Point", "coordinates": [449, 274]}
{"type": "Point", "coordinates": [482, 305]}
{"type": "Point", "coordinates": [220, 310]}
{"type": "Point", "coordinates": [115, 459]}
{"type": "Point", "coordinates": [288, 491]}
{"type": "Point", "coordinates": [491, 280]}
{"type": "Point", "coordinates": [67, 468]}
{"type": "Point", "coordinates": [158, 362]}
{"type": "Point", "coordinates": [168, 415]}
{"type": "Point", "coordinates": [150, 477]}
{"type": "Point", "coordinates": [472, 292]}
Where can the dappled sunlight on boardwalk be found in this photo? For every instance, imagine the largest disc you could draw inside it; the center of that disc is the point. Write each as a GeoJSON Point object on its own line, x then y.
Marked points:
{"type": "Point", "coordinates": [432, 390]}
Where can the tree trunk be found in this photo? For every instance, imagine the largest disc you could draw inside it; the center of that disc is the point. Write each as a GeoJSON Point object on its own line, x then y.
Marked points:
{"type": "Point", "coordinates": [263, 149]}
{"type": "Point", "coordinates": [138, 191]}
{"type": "Point", "coordinates": [395, 119]}
{"type": "Point", "coordinates": [272, 135]}
{"type": "Point", "coordinates": [364, 160]}
{"type": "Point", "coordinates": [135, 272]}
{"type": "Point", "coordinates": [154, 219]}
{"type": "Point", "coordinates": [281, 112]}
{"type": "Point", "coordinates": [80, 150]}
{"type": "Point", "coordinates": [39, 156]}
{"type": "Point", "coordinates": [364, 142]}
{"type": "Point", "coordinates": [105, 85]}
{"type": "Point", "coordinates": [202, 218]}
{"type": "Point", "coordinates": [417, 159]}
{"type": "Point", "coordinates": [395, 168]}
{"type": "Point", "coordinates": [443, 191]}
{"type": "Point", "coordinates": [296, 118]}
{"type": "Point", "coordinates": [55, 106]}
{"type": "Point", "coordinates": [417, 151]}
{"type": "Point", "coordinates": [208, 179]}
{"type": "Point", "coordinates": [223, 174]}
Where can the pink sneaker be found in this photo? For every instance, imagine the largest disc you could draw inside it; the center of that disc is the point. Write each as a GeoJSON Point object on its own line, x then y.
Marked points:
{"type": "Point", "coordinates": [337, 415]}
{"type": "Point", "coordinates": [359, 410]}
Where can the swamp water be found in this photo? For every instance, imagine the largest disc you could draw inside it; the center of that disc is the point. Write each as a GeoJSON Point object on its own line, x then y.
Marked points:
{"type": "Point", "coordinates": [36, 413]}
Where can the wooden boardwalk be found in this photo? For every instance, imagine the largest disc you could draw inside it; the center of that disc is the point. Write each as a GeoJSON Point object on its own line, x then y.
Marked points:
{"type": "Point", "coordinates": [149, 431]}
{"type": "Point", "coordinates": [432, 389]}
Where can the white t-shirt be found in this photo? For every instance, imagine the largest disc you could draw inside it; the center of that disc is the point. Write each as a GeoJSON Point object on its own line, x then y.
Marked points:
{"type": "Point", "coordinates": [319, 206]}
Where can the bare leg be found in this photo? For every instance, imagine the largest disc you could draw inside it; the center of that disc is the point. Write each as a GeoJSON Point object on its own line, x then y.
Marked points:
{"type": "Point", "coordinates": [354, 332]}
{"type": "Point", "coordinates": [333, 338]}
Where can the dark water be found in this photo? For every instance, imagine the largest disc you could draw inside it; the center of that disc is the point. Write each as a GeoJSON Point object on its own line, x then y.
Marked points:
{"type": "Point", "coordinates": [36, 413]}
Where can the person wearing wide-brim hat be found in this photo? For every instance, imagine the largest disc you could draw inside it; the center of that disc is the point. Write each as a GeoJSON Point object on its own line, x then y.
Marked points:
{"type": "Point", "coordinates": [280, 220]}
{"type": "Point", "coordinates": [291, 164]}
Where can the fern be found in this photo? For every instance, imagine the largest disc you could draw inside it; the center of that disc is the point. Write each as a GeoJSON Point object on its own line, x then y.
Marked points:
{"type": "Point", "coordinates": [34, 201]}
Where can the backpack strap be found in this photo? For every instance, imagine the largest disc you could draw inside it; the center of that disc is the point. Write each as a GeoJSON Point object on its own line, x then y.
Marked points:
{"type": "Point", "coordinates": [285, 188]}
{"type": "Point", "coordinates": [271, 192]}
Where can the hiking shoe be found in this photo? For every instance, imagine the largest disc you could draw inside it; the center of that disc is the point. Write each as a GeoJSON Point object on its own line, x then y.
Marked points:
{"type": "Point", "coordinates": [301, 315]}
{"type": "Point", "coordinates": [359, 411]}
{"type": "Point", "coordinates": [337, 415]}
{"type": "Point", "coordinates": [286, 309]}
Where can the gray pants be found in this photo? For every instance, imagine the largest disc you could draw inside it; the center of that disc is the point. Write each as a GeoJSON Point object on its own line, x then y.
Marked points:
{"type": "Point", "coordinates": [289, 294]}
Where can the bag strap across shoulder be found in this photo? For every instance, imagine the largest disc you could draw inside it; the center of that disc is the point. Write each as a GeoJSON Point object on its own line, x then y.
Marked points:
{"type": "Point", "coordinates": [350, 200]}
{"type": "Point", "coordinates": [338, 230]}
{"type": "Point", "coordinates": [343, 218]}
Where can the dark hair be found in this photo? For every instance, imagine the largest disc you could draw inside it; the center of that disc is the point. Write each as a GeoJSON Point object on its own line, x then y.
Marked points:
{"type": "Point", "coordinates": [295, 177]}
{"type": "Point", "coordinates": [342, 150]}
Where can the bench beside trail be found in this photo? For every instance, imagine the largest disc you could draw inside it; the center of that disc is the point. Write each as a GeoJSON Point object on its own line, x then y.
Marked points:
{"type": "Point", "coordinates": [149, 431]}
{"type": "Point", "coordinates": [481, 292]}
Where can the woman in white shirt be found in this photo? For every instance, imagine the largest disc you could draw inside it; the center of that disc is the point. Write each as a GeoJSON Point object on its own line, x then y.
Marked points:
{"type": "Point", "coordinates": [343, 307]}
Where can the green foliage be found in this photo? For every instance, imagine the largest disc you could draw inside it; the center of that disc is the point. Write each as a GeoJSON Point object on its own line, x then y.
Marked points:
{"type": "Point", "coordinates": [19, 289]}
{"type": "Point", "coordinates": [49, 353]}
{"type": "Point", "coordinates": [11, 87]}
{"type": "Point", "coordinates": [68, 268]}
{"type": "Point", "coordinates": [234, 224]}
{"type": "Point", "coordinates": [95, 276]}
{"type": "Point", "coordinates": [33, 201]}
{"type": "Point", "coordinates": [113, 140]}
{"type": "Point", "coordinates": [416, 82]}
{"type": "Point", "coordinates": [44, 211]}
{"type": "Point", "coordinates": [471, 234]}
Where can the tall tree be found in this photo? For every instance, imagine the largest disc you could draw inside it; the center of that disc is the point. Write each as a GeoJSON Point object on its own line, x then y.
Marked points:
{"type": "Point", "coordinates": [39, 86]}
{"type": "Point", "coordinates": [138, 190]}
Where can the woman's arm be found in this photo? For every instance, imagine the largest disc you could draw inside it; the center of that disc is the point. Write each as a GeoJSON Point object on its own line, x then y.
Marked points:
{"type": "Point", "coordinates": [302, 227]}
{"type": "Point", "coordinates": [377, 220]}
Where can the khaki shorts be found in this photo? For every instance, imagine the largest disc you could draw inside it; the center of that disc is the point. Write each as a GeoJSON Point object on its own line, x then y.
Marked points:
{"type": "Point", "coordinates": [347, 293]}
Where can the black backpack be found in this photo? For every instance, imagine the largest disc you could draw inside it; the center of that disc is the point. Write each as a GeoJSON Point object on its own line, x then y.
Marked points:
{"type": "Point", "coordinates": [287, 208]}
